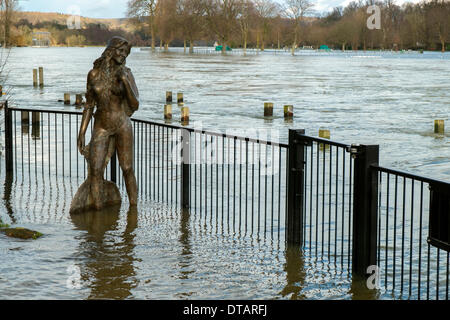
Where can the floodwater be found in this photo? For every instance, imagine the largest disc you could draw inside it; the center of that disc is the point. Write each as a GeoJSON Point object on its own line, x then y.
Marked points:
{"type": "Point", "coordinates": [158, 252]}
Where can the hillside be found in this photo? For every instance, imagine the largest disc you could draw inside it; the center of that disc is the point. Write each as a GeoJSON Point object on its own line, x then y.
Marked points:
{"type": "Point", "coordinates": [35, 18]}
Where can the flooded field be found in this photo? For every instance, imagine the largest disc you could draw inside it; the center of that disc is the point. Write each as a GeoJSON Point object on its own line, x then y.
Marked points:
{"type": "Point", "coordinates": [161, 252]}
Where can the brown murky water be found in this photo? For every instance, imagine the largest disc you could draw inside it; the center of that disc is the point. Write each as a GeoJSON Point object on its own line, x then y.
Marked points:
{"type": "Point", "coordinates": [160, 252]}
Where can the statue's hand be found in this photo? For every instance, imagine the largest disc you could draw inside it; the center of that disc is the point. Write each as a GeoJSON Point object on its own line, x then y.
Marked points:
{"type": "Point", "coordinates": [81, 143]}
{"type": "Point", "coordinates": [122, 75]}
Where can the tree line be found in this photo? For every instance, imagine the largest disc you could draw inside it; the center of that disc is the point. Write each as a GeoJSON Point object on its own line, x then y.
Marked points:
{"type": "Point", "coordinates": [252, 24]}
{"type": "Point", "coordinates": [293, 23]}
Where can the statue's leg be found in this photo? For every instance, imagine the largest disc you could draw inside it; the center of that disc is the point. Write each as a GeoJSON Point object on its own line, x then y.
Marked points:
{"type": "Point", "coordinates": [124, 144]}
{"type": "Point", "coordinates": [98, 150]}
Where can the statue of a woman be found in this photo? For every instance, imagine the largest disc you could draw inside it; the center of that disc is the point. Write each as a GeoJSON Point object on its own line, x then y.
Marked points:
{"type": "Point", "coordinates": [112, 89]}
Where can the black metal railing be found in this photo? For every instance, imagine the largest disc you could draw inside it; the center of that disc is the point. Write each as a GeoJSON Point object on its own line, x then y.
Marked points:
{"type": "Point", "coordinates": [408, 262]}
{"type": "Point", "coordinates": [331, 199]}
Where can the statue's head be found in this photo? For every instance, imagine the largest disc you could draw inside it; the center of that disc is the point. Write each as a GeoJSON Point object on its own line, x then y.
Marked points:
{"type": "Point", "coordinates": [120, 49]}
{"type": "Point", "coordinates": [116, 51]}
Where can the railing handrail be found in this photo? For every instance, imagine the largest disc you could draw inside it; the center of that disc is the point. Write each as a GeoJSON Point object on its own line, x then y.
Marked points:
{"type": "Point", "coordinates": [408, 175]}
{"type": "Point", "coordinates": [172, 126]}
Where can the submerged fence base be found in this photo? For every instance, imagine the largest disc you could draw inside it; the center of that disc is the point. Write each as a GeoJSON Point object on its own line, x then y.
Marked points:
{"type": "Point", "coordinates": [329, 198]}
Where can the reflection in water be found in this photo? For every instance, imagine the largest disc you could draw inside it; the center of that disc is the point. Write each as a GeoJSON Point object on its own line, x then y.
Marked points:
{"type": "Point", "coordinates": [186, 250]}
{"type": "Point", "coordinates": [108, 263]}
{"type": "Point", "coordinates": [360, 291]}
{"type": "Point", "coordinates": [7, 196]}
{"type": "Point", "coordinates": [295, 273]}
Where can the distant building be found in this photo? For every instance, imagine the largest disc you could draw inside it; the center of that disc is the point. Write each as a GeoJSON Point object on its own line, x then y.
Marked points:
{"type": "Point", "coordinates": [41, 39]}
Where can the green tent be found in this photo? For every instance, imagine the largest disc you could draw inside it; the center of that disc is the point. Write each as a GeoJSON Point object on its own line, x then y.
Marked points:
{"type": "Point", "coordinates": [324, 47]}
{"type": "Point", "coordinates": [219, 48]}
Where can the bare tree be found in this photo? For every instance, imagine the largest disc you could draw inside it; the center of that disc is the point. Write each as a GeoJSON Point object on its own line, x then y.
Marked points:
{"type": "Point", "coordinates": [192, 20]}
{"type": "Point", "coordinates": [222, 18]}
{"type": "Point", "coordinates": [144, 9]}
{"type": "Point", "coordinates": [167, 21]}
{"type": "Point", "coordinates": [266, 10]}
{"type": "Point", "coordinates": [296, 10]}
{"type": "Point", "coordinates": [438, 20]}
{"type": "Point", "coordinates": [8, 9]}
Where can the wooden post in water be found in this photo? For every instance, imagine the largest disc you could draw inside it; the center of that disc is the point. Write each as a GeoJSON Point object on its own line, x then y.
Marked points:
{"type": "Point", "coordinates": [439, 126]}
{"type": "Point", "coordinates": [180, 98]}
{"type": "Point", "coordinates": [78, 99]}
{"type": "Point", "coordinates": [168, 96]}
{"type": "Point", "coordinates": [268, 109]}
{"type": "Point", "coordinates": [168, 111]}
{"type": "Point", "coordinates": [66, 98]}
{"type": "Point", "coordinates": [41, 77]}
{"type": "Point", "coordinates": [324, 134]}
{"type": "Point", "coordinates": [25, 116]}
{"type": "Point", "coordinates": [288, 111]}
{"type": "Point", "coordinates": [35, 78]}
{"type": "Point", "coordinates": [35, 124]}
{"type": "Point", "coordinates": [185, 115]}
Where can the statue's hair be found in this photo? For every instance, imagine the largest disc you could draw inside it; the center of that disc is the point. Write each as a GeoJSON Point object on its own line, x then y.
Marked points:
{"type": "Point", "coordinates": [104, 65]}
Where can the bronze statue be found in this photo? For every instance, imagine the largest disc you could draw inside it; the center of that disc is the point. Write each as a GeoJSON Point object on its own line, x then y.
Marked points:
{"type": "Point", "coordinates": [112, 89]}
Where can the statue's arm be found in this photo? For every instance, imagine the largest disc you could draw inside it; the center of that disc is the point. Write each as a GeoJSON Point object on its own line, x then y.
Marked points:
{"type": "Point", "coordinates": [87, 112]}
{"type": "Point", "coordinates": [131, 90]}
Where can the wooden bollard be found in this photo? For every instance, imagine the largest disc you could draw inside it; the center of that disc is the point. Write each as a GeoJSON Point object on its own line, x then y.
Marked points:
{"type": "Point", "coordinates": [180, 98]}
{"type": "Point", "coordinates": [1, 91]}
{"type": "Point", "coordinates": [41, 77]}
{"type": "Point", "coordinates": [168, 111]}
{"type": "Point", "coordinates": [168, 96]}
{"type": "Point", "coordinates": [78, 99]}
{"type": "Point", "coordinates": [268, 109]}
{"type": "Point", "coordinates": [185, 114]}
{"type": "Point", "coordinates": [439, 126]}
{"type": "Point", "coordinates": [35, 117]}
{"type": "Point", "coordinates": [25, 116]}
{"type": "Point", "coordinates": [35, 78]}
{"type": "Point", "coordinates": [324, 134]}
{"type": "Point", "coordinates": [35, 125]}
{"type": "Point", "coordinates": [66, 98]}
{"type": "Point", "coordinates": [288, 111]}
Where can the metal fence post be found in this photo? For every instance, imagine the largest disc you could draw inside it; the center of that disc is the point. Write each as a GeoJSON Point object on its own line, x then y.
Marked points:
{"type": "Point", "coordinates": [113, 167]}
{"type": "Point", "coordinates": [295, 192]}
{"type": "Point", "coordinates": [365, 208]}
{"type": "Point", "coordinates": [185, 168]}
{"type": "Point", "coordinates": [8, 139]}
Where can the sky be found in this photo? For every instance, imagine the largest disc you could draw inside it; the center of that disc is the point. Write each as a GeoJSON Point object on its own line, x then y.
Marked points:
{"type": "Point", "coordinates": [118, 8]}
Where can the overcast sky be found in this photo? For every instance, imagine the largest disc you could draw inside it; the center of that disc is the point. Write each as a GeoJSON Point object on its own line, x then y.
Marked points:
{"type": "Point", "coordinates": [117, 8]}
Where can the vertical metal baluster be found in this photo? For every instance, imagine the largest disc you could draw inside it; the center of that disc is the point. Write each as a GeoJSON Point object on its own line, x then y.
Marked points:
{"type": "Point", "coordinates": [420, 239]}
{"type": "Point", "coordinates": [240, 182]}
{"type": "Point", "coordinates": [343, 207]}
{"type": "Point", "coordinates": [63, 151]}
{"type": "Point", "coordinates": [234, 183]}
{"type": "Point", "coordinates": [387, 228]}
{"type": "Point", "coordinates": [395, 231]}
{"type": "Point", "coordinates": [438, 260]}
{"type": "Point", "coordinates": [259, 186]}
{"type": "Point", "coordinates": [246, 184]}
{"type": "Point", "coordinates": [323, 197]}
{"type": "Point", "coordinates": [350, 207]}
{"type": "Point", "coordinates": [411, 238]}
{"type": "Point", "coordinates": [311, 197]}
{"type": "Point", "coordinates": [428, 273]}
{"type": "Point", "coordinates": [279, 194]}
{"type": "Point", "coordinates": [329, 200]}
{"type": "Point", "coordinates": [403, 233]}
{"type": "Point", "coordinates": [336, 206]}
{"type": "Point", "coordinates": [253, 185]}
{"type": "Point", "coordinates": [273, 182]}
{"type": "Point", "coordinates": [212, 178]}
{"type": "Point", "coordinates": [70, 145]}
{"type": "Point", "coordinates": [317, 197]}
